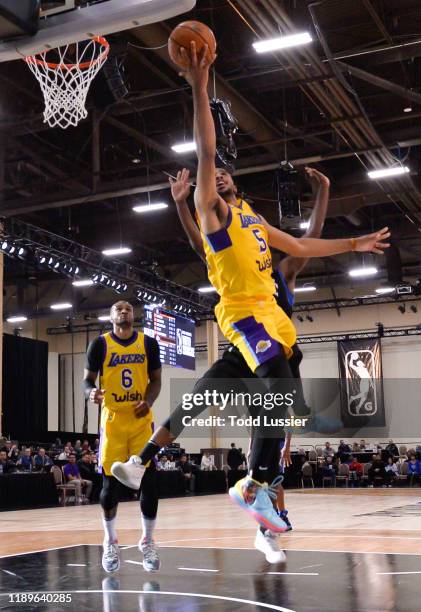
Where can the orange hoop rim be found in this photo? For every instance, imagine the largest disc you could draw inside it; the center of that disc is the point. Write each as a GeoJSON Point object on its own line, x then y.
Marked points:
{"type": "Point", "coordinates": [82, 66]}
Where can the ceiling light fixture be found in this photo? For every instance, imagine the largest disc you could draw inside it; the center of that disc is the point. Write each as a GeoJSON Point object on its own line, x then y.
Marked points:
{"type": "Point", "coordinates": [305, 289]}
{"type": "Point", "coordinates": [384, 290]}
{"type": "Point", "coordinates": [61, 306]}
{"type": "Point", "coordinates": [17, 319]}
{"type": "Point", "coordinates": [184, 147]}
{"type": "Point", "coordinates": [282, 42]}
{"type": "Point", "coordinates": [83, 282]}
{"type": "Point", "coordinates": [388, 172]}
{"type": "Point", "coordinates": [362, 272]}
{"type": "Point", "coordinates": [143, 208]}
{"type": "Point", "coordinates": [116, 251]}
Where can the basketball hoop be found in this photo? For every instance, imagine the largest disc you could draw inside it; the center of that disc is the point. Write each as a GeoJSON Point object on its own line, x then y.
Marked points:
{"type": "Point", "coordinates": [65, 85]}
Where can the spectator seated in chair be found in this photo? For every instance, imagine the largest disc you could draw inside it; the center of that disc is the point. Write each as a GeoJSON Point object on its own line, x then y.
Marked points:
{"type": "Point", "coordinates": [392, 449]}
{"type": "Point", "coordinates": [187, 468]}
{"type": "Point", "coordinates": [414, 469]}
{"type": "Point", "coordinates": [57, 446]}
{"type": "Point", "coordinates": [328, 451]}
{"type": "Point", "coordinates": [356, 447]}
{"type": "Point", "coordinates": [392, 471]}
{"type": "Point", "coordinates": [25, 462]}
{"type": "Point", "coordinates": [73, 477]}
{"type": "Point", "coordinates": [377, 472]}
{"type": "Point", "coordinates": [87, 468]}
{"type": "Point", "coordinates": [355, 471]}
{"type": "Point", "coordinates": [65, 453]}
{"type": "Point", "coordinates": [6, 466]}
{"type": "Point", "coordinates": [85, 446]}
{"type": "Point", "coordinates": [13, 452]}
{"type": "Point", "coordinates": [329, 469]}
{"type": "Point", "coordinates": [164, 463]}
{"type": "Point", "coordinates": [42, 462]}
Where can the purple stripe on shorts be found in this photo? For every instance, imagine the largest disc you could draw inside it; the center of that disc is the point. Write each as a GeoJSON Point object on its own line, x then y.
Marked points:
{"type": "Point", "coordinates": [262, 346]}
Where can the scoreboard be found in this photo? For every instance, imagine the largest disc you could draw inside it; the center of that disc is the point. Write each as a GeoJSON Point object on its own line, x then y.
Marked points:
{"type": "Point", "coordinates": [175, 336]}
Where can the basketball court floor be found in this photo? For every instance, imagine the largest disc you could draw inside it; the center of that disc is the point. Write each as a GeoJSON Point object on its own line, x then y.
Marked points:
{"type": "Point", "coordinates": [350, 551]}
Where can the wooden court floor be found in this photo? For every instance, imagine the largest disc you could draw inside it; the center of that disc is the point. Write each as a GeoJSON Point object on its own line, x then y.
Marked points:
{"type": "Point", "coordinates": [353, 520]}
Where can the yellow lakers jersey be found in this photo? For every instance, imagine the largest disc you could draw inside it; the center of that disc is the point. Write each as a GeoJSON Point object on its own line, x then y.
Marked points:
{"type": "Point", "coordinates": [239, 258]}
{"type": "Point", "coordinates": [124, 373]}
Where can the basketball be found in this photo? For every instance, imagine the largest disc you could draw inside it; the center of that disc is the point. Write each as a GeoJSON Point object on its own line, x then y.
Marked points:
{"type": "Point", "coordinates": [183, 34]}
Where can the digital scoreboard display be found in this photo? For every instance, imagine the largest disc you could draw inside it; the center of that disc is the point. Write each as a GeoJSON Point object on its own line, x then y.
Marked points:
{"type": "Point", "coordinates": [175, 336]}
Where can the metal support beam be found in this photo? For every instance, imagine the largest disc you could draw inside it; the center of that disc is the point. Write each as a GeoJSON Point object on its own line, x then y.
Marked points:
{"type": "Point", "coordinates": [373, 79]}
{"type": "Point", "coordinates": [379, 23]}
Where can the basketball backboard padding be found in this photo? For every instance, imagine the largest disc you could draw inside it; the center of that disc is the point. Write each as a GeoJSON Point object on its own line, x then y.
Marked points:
{"type": "Point", "coordinates": [95, 20]}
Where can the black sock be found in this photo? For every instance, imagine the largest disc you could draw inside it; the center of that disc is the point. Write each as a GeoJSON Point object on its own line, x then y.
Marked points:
{"type": "Point", "coordinates": [149, 452]}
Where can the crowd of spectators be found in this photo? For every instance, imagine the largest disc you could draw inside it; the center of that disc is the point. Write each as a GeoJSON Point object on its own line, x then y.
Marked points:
{"type": "Point", "coordinates": [369, 463]}
{"type": "Point", "coordinates": [79, 464]}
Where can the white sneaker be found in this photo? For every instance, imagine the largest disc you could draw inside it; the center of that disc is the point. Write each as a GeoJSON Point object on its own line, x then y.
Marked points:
{"type": "Point", "coordinates": [151, 562]}
{"type": "Point", "coordinates": [129, 473]}
{"type": "Point", "coordinates": [267, 543]}
{"type": "Point", "coordinates": [110, 556]}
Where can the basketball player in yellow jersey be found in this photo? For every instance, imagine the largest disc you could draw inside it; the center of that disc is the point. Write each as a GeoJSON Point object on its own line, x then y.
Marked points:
{"type": "Point", "coordinates": [129, 370]}
{"type": "Point", "coordinates": [236, 241]}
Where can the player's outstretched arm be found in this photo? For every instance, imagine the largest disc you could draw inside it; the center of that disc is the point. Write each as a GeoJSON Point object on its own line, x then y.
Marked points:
{"type": "Point", "coordinates": [197, 75]}
{"type": "Point", "coordinates": [180, 191]}
{"type": "Point", "coordinates": [316, 247]}
{"type": "Point", "coordinates": [292, 266]}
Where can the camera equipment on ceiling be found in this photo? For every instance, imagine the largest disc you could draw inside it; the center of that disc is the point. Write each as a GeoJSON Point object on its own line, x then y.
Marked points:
{"type": "Point", "coordinates": [287, 182]}
{"type": "Point", "coordinates": [225, 127]}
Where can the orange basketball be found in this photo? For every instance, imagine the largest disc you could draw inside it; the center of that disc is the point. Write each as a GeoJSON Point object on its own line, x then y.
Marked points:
{"type": "Point", "coordinates": [183, 34]}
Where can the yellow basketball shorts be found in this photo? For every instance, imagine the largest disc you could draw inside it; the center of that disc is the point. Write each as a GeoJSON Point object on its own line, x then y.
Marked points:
{"type": "Point", "coordinates": [257, 329]}
{"type": "Point", "coordinates": [122, 435]}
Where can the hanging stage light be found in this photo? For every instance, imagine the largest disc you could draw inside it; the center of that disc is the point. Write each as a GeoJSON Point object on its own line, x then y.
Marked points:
{"type": "Point", "coordinates": [287, 181]}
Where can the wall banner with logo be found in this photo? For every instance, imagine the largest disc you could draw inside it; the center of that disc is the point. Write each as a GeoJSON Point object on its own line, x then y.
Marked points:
{"type": "Point", "coordinates": [360, 368]}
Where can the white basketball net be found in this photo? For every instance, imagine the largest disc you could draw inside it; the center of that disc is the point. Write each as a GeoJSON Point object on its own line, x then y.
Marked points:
{"type": "Point", "coordinates": [65, 85]}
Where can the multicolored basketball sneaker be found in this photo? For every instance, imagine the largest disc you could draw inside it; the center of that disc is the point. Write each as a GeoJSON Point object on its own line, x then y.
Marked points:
{"type": "Point", "coordinates": [255, 498]}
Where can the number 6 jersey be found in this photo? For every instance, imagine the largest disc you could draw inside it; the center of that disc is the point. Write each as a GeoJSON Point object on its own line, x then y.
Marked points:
{"type": "Point", "coordinates": [123, 366]}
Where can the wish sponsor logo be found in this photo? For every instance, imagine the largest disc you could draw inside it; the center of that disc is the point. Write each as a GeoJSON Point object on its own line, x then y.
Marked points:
{"type": "Point", "coordinates": [247, 220]}
{"type": "Point", "coordinates": [263, 345]}
{"type": "Point", "coordinates": [264, 264]}
{"type": "Point", "coordinates": [127, 397]}
{"type": "Point", "coordinates": [117, 359]}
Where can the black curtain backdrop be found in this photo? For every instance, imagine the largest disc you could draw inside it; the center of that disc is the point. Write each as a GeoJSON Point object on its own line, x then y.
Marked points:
{"type": "Point", "coordinates": [25, 387]}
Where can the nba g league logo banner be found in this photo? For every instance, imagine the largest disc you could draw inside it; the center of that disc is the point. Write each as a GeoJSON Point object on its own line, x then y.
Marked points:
{"type": "Point", "coordinates": [360, 367]}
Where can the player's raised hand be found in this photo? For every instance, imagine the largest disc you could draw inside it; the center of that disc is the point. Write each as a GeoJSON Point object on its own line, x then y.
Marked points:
{"type": "Point", "coordinates": [97, 396]}
{"type": "Point", "coordinates": [374, 242]}
{"type": "Point", "coordinates": [316, 178]}
{"type": "Point", "coordinates": [180, 187]}
{"type": "Point", "coordinates": [197, 71]}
